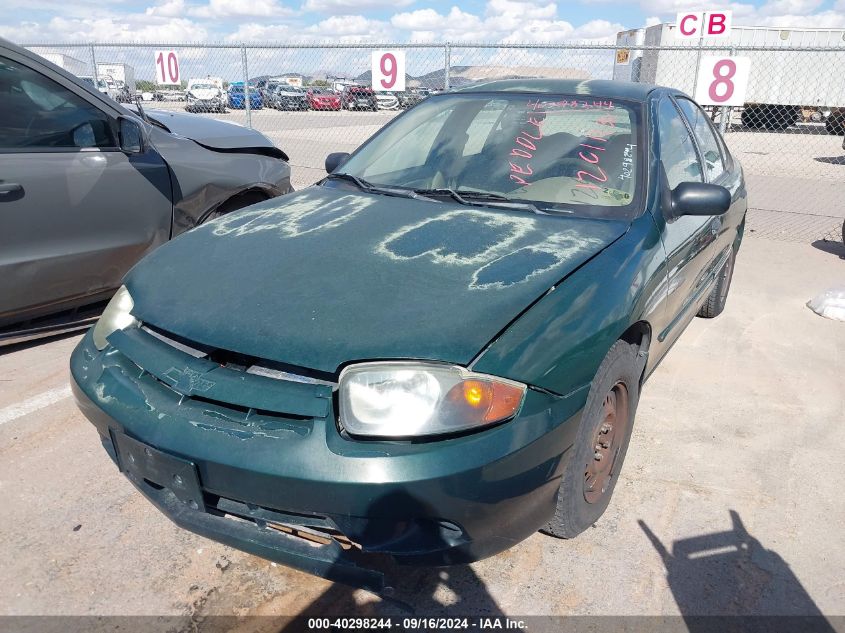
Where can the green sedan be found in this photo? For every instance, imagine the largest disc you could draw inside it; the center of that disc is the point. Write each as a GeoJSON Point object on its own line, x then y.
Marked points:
{"type": "Point", "coordinates": [435, 351]}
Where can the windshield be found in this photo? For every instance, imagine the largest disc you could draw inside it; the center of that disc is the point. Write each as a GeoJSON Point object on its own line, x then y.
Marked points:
{"type": "Point", "coordinates": [564, 153]}
{"type": "Point", "coordinates": [236, 88]}
{"type": "Point", "coordinates": [202, 87]}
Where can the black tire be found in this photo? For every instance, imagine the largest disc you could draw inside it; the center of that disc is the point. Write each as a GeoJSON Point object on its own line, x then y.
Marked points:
{"type": "Point", "coordinates": [718, 296]}
{"type": "Point", "coordinates": [579, 503]}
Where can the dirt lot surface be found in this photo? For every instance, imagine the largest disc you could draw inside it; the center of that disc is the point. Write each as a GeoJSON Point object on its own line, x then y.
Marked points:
{"type": "Point", "coordinates": [730, 501]}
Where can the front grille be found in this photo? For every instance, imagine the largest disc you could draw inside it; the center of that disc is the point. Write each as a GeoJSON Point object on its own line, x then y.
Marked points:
{"type": "Point", "coordinates": [243, 387]}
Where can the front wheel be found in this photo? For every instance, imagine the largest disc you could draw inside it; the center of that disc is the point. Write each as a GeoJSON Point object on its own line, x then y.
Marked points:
{"type": "Point", "coordinates": [718, 296]}
{"type": "Point", "coordinates": [600, 446]}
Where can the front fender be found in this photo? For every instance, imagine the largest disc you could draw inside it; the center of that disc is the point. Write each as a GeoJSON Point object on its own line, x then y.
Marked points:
{"type": "Point", "coordinates": [559, 342]}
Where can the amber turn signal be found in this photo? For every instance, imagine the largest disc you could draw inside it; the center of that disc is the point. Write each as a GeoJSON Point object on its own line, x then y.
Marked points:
{"type": "Point", "coordinates": [488, 400]}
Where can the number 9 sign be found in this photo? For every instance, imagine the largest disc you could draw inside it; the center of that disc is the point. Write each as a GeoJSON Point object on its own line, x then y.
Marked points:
{"type": "Point", "coordinates": [388, 70]}
{"type": "Point", "coordinates": [167, 68]}
{"type": "Point", "coordinates": [722, 80]}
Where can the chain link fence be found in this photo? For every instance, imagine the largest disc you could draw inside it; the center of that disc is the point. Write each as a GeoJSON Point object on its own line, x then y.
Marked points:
{"type": "Point", "coordinates": [788, 135]}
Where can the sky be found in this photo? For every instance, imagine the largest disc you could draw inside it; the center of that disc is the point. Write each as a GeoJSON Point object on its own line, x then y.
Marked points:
{"type": "Point", "coordinates": [345, 21]}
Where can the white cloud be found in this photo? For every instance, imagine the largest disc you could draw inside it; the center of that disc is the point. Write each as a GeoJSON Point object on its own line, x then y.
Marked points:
{"type": "Point", "coordinates": [336, 29]}
{"type": "Point", "coordinates": [332, 6]}
{"type": "Point", "coordinates": [168, 9]}
{"type": "Point", "coordinates": [509, 21]}
{"type": "Point", "coordinates": [430, 20]}
{"type": "Point", "coordinates": [790, 7]}
{"type": "Point", "coordinates": [128, 28]}
{"type": "Point", "coordinates": [241, 8]}
{"type": "Point", "coordinates": [824, 20]}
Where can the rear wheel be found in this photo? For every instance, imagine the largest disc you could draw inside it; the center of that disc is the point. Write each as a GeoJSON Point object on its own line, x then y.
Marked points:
{"type": "Point", "coordinates": [718, 297]}
{"type": "Point", "coordinates": [602, 441]}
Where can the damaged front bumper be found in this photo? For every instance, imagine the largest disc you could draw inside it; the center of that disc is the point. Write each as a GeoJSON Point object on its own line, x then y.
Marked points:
{"type": "Point", "coordinates": [291, 488]}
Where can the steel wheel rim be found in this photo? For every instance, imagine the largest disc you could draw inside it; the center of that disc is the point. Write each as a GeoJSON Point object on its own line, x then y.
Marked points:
{"type": "Point", "coordinates": [607, 442]}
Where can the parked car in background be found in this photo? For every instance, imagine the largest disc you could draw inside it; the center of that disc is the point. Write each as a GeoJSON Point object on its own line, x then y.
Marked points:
{"type": "Point", "coordinates": [287, 97]}
{"type": "Point", "coordinates": [103, 85]}
{"type": "Point", "coordinates": [387, 101]}
{"type": "Point", "coordinates": [204, 96]}
{"type": "Point", "coordinates": [322, 99]}
{"type": "Point", "coordinates": [408, 98]}
{"type": "Point", "coordinates": [124, 94]}
{"type": "Point", "coordinates": [87, 187]}
{"type": "Point", "coordinates": [435, 351]}
{"type": "Point", "coordinates": [267, 90]}
{"type": "Point", "coordinates": [358, 98]}
{"type": "Point", "coordinates": [237, 100]}
{"type": "Point", "coordinates": [169, 94]}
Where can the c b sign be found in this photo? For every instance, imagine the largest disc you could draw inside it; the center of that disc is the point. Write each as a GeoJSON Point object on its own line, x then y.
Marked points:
{"type": "Point", "coordinates": [703, 24]}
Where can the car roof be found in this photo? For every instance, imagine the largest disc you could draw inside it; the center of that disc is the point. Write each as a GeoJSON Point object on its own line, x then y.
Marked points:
{"type": "Point", "coordinates": [589, 87]}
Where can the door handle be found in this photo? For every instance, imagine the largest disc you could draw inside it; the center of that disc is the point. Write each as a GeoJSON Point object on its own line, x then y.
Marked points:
{"type": "Point", "coordinates": [9, 187]}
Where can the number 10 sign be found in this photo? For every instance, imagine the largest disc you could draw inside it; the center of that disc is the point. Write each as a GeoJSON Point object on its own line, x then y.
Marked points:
{"type": "Point", "coordinates": [722, 80]}
{"type": "Point", "coordinates": [388, 70]}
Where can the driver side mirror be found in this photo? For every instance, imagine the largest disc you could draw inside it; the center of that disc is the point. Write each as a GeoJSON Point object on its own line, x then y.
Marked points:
{"type": "Point", "coordinates": [131, 136]}
{"type": "Point", "coordinates": [335, 160]}
{"type": "Point", "coordinates": [699, 198]}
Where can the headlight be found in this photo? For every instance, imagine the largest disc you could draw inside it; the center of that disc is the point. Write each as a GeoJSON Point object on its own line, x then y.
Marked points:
{"type": "Point", "coordinates": [115, 317]}
{"type": "Point", "coordinates": [410, 399]}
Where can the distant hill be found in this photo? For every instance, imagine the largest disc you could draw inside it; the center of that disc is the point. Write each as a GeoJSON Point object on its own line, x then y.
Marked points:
{"type": "Point", "coordinates": [458, 75]}
{"type": "Point", "coordinates": [462, 75]}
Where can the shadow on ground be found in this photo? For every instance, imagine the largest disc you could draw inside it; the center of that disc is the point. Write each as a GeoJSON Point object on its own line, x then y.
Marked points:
{"type": "Point", "coordinates": [832, 160]}
{"type": "Point", "coordinates": [410, 590]}
{"type": "Point", "coordinates": [730, 574]}
{"type": "Point", "coordinates": [828, 246]}
{"type": "Point", "coordinates": [17, 346]}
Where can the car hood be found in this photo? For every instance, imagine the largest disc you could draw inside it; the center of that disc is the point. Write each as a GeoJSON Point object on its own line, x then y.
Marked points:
{"type": "Point", "coordinates": [325, 276]}
{"type": "Point", "coordinates": [211, 133]}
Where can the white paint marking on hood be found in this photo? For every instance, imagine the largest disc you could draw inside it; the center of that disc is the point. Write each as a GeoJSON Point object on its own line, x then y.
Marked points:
{"type": "Point", "coordinates": [42, 400]}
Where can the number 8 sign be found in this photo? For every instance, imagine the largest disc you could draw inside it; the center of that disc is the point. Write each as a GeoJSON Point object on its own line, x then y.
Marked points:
{"type": "Point", "coordinates": [722, 80]}
{"type": "Point", "coordinates": [388, 70]}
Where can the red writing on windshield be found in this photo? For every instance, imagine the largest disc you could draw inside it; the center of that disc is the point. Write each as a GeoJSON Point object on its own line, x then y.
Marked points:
{"type": "Point", "coordinates": [580, 104]}
{"type": "Point", "coordinates": [525, 145]}
{"type": "Point", "coordinates": [591, 153]}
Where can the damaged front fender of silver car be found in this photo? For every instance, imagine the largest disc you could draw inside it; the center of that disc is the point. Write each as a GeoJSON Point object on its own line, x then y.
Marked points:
{"type": "Point", "coordinates": [253, 170]}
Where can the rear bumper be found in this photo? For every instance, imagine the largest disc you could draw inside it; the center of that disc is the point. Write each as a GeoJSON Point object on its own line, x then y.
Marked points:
{"type": "Point", "coordinates": [439, 503]}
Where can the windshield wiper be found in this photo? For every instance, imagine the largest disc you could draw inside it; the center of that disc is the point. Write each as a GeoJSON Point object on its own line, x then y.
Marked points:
{"type": "Point", "coordinates": [369, 187]}
{"type": "Point", "coordinates": [480, 198]}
